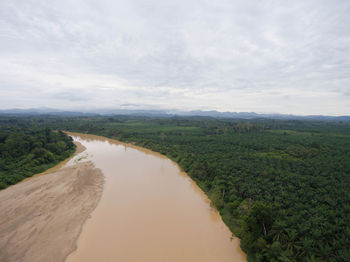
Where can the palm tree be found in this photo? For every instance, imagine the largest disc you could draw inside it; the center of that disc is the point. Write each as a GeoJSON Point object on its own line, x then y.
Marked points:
{"type": "Point", "coordinates": [278, 231]}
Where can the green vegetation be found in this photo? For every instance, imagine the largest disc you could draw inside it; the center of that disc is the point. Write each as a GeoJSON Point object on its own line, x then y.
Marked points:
{"type": "Point", "coordinates": [25, 151]}
{"type": "Point", "coordinates": [282, 186]}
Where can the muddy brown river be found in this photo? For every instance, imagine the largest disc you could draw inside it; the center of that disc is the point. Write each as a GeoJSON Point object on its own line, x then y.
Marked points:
{"type": "Point", "coordinates": [150, 211]}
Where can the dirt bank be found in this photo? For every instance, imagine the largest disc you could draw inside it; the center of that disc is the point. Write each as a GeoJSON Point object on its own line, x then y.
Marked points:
{"type": "Point", "coordinates": [41, 218]}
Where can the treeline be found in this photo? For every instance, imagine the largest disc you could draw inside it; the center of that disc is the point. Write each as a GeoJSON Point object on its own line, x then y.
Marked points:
{"type": "Point", "coordinates": [281, 186]}
{"type": "Point", "coordinates": [27, 150]}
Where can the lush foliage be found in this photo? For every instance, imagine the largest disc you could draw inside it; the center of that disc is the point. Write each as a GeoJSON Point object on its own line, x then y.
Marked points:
{"type": "Point", "coordinates": [25, 151]}
{"type": "Point", "coordinates": [282, 186]}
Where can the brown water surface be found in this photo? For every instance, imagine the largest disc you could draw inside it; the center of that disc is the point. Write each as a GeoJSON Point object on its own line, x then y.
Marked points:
{"type": "Point", "coordinates": [150, 211]}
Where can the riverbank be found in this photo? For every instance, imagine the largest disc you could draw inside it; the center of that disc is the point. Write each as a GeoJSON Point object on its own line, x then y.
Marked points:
{"type": "Point", "coordinates": [79, 148]}
{"type": "Point", "coordinates": [41, 218]}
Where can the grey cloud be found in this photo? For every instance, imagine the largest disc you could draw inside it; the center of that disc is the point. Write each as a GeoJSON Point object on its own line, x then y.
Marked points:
{"type": "Point", "coordinates": [194, 54]}
{"type": "Point", "coordinates": [70, 95]}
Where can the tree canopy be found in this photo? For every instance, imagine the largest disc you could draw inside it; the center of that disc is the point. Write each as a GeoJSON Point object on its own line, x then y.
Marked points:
{"type": "Point", "coordinates": [25, 151]}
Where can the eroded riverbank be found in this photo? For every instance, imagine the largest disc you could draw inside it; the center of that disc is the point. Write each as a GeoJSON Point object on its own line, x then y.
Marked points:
{"type": "Point", "coordinates": [41, 218]}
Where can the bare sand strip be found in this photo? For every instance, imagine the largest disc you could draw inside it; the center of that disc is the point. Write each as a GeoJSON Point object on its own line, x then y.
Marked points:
{"type": "Point", "coordinates": [41, 218]}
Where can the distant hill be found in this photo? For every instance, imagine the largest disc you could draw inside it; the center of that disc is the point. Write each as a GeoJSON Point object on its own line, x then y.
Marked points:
{"type": "Point", "coordinates": [43, 111]}
{"type": "Point", "coordinates": [252, 115]}
{"type": "Point", "coordinates": [168, 113]}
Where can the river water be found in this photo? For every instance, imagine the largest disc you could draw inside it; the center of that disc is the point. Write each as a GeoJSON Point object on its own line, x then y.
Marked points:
{"type": "Point", "coordinates": [150, 211]}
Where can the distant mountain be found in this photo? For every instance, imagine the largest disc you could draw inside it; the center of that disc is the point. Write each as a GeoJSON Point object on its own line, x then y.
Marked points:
{"type": "Point", "coordinates": [168, 113]}
{"type": "Point", "coordinates": [252, 115]}
{"type": "Point", "coordinates": [134, 112]}
{"type": "Point", "coordinates": [42, 111]}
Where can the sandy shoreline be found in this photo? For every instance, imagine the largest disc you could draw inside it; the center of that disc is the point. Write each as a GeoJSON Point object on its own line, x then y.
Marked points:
{"type": "Point", "coordinates": [41, 218]}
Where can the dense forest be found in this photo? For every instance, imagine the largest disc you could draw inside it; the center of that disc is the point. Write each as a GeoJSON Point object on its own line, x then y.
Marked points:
{"type": "Point", "coordinates": [283, 187]}
{"type": "Point", "coordinates": [27, 149]}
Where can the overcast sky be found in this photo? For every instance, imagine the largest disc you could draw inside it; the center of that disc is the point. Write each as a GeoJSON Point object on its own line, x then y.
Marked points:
{"type": "Point", "coordinates": [262, 56]}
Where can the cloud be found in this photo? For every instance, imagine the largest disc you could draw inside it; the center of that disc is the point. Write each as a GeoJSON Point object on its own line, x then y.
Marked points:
{"type": "Point", "coordinates": [290, 57]}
